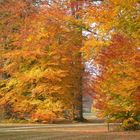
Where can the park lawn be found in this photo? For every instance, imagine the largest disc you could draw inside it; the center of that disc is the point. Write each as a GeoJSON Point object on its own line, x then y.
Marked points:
{"type": "Point", "coordinates": [68, 132]}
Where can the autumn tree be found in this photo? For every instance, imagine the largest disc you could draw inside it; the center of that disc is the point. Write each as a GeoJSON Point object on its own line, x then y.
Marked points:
{"type": "Point", "coordinates": [115, 51]}
{"type": "Point", "coordinates": [41, 60]}
{"type": "Point", "coordinates": [117, 87]}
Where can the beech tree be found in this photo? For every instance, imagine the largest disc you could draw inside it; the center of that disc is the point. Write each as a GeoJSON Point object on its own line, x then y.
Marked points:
{"type": "Point", "coordinates": [41, 61]}
{"type": "Point", "coordinates": [116, 57]}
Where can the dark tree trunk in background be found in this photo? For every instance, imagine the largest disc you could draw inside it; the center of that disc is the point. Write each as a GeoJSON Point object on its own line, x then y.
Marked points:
{"type": "Point", "coordinates": [78, 94]}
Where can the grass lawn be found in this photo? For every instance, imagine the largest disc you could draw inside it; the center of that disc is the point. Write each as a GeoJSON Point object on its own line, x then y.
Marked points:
{"type": "Point", "coordinates": [63, 132]}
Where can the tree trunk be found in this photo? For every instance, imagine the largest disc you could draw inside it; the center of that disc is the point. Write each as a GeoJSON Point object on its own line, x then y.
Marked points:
{"type": "Point", "coordinates": [78, 95]}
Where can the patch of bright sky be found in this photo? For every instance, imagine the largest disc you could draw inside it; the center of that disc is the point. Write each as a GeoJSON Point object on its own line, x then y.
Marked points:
{"type": "Point", "coordinates": [91, 68]}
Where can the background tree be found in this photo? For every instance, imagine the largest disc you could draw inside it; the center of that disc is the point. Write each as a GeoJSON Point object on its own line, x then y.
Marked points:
{"type": "Point", "coordinates": [115, 51]}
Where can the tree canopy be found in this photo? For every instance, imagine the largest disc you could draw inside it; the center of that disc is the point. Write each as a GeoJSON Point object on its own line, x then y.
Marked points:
{"type": "Point", "coordinates": [44, 46]}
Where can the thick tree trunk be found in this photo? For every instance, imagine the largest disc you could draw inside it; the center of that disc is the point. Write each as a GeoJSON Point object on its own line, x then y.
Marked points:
{"type": "Point", "coordinates": [78, 94]}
